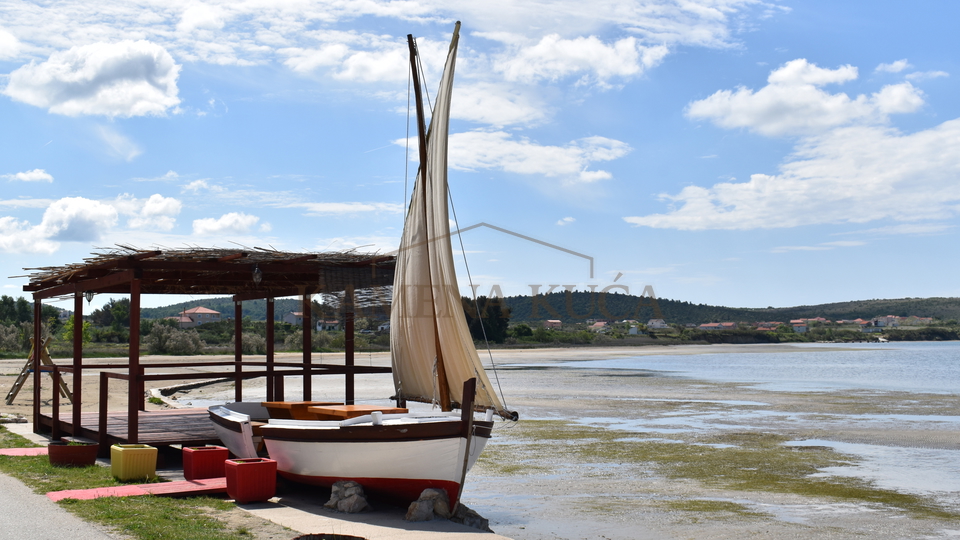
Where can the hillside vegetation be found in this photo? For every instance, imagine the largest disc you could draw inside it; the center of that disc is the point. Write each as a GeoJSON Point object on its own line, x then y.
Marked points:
{"type": "Point", "coordinates": [581, 305]}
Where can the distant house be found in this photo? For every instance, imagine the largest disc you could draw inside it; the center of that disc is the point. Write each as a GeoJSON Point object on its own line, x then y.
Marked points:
{"type": "Point", "coordinates": [328, 325]}
{"type": "Point", "coordinates": [800, 328]}
{"type": "Point", "coordinates": [385, 327]}
{"type": "Point", "coordinates": [768, 326]}
{"type": "Point", "coordinates": [718, 326]}
{"type": "Point", "coordinates": [553, 323]}
{"type": "Point", "coordinates": [657, 324]}
{"type": "Point", "coordinates": [600, 326]}
{"type": "Point", "coordinates": [294, 318]}
{"type": "Point", "coordinates": [193, 317]}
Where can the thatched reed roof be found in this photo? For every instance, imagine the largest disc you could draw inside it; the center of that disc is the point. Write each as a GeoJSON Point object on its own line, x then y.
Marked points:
{"type": "Point", "coordinates": [215, 271]}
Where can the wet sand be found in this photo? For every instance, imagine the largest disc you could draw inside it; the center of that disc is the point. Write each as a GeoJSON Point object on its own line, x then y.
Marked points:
{"type": "Point", "coordinates": [537, 482]}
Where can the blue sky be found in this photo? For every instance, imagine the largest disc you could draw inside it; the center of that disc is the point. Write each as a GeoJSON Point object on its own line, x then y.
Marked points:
{"type": "Point", "coordinates": [728, 152]}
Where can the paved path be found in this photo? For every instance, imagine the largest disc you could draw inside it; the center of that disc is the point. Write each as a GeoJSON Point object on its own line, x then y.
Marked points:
{"type": "Point", "coordinates": [25, 514]}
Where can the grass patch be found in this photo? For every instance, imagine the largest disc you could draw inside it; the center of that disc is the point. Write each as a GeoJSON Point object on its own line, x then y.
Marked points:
{"type": "Point", "coordinates": [146, 517]}
{"type": "Point", "coordinates": [155, 518]}
{"type": "Point", "coordinates": [716, 509]}
{"type": "Point", "coordinates": [753, 461]}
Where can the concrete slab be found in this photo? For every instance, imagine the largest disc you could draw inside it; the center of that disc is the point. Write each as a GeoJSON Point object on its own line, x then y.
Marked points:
{"type": "Point", "coordinates": [306, 514]}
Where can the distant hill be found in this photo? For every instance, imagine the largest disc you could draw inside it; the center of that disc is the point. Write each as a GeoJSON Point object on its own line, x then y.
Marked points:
{"type": "Point", "coordinates": [581, 306]}
{"type": "Point", "coordinates": [255, 309]}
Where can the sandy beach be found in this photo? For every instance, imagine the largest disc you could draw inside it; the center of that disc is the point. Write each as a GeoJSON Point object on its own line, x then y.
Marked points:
{"type": "Point", "coordinates": [602, 453]}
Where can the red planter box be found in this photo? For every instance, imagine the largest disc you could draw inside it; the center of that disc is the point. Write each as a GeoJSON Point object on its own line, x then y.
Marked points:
{"type": "Point", "coordinates": [251, 479]}
{"type": "Point", "coordinates": [204, 462]}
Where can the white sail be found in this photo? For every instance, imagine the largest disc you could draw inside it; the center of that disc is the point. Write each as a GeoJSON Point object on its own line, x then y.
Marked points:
{"type": "Point", "coordinates": [427, 324]}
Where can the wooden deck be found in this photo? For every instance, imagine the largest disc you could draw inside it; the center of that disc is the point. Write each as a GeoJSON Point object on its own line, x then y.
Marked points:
{"type": "Point", "coordinates": [188, 427]}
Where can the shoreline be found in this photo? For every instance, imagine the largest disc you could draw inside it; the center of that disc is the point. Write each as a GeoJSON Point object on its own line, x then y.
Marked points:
{"type": "Point", "coordinates": [600, 452]}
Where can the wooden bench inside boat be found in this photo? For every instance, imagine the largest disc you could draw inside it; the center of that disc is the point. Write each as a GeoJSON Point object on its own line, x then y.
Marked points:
{"type": "Point", "coordinates": [295, 410]}
{"type": "Point", "coordinates": [343, 412]}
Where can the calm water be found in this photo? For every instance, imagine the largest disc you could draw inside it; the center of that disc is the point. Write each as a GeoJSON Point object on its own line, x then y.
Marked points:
{"type": "Point", "coordinates": [910, 367]}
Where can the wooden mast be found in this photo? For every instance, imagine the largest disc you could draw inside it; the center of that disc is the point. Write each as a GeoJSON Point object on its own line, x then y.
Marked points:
{"type": "Point", "coordinates": [444, 386]}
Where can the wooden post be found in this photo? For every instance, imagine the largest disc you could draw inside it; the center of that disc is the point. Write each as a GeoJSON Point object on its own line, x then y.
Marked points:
{"type": "Point", "coordinates": [55, 412]}
{"type": "Point", "coordinates": [271, 389]}
{"type": "Point", "coordinates": [238, 351]}
{"type": "Point", "coordinates": [135, 372]}
{"type": "Point", "coordinates": [77, 360]}
{"type": "Point", "coordinates": [37, 346]}
{"type": "Point", "coordinates": [348, 335]}
{"type": "Point", "coordinates": [102, 439]}
{"type": "Point", "coordinates": [307, 346]}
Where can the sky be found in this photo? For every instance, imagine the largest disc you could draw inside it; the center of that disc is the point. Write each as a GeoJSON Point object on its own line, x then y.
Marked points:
{"type": "Point", "coordinates": [728, 152]}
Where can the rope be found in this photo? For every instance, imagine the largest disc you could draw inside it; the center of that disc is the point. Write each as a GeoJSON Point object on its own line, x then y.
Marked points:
{"type": "Point", "coordinates": [473, 293]}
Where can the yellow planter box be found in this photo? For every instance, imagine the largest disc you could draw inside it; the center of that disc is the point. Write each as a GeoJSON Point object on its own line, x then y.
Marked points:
{"type": "Point", "coordinates": [133, 461]}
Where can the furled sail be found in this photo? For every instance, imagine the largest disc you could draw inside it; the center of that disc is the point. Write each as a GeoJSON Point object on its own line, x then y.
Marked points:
{"type": "Point", "coordinates": [431, 348]}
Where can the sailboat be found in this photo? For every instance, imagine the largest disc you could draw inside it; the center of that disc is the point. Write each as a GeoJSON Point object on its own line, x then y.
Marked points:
{"type": "Point", "coordinates": [394, 452]}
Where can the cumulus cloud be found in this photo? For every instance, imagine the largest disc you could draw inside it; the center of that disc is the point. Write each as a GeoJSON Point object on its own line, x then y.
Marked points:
{"type": "Point", "coordinates": [566, 221]}
{"type": "Point", "coordinates": [19, 237]}
{"type": "Point", "coordinates": [128, 78]}
{"type": "Point", "coordinates": [76, 219]}
{"type": "Point", "coordinates": [155, 213]}
{"type": "Point", "coordinates": [553, 58]}
{"type": "Point", "coordinates": [500, 150]}
{"type": "Point", "coordinates": [9, 45]}
{"type": "Point", "coordinates": [497, 105]}
{"type": "Point", "coordinates": [36, 175]}
{"type": "Point", "coordinates": [894, 67]}
{"type": "Point", "coordinates": [232, 223]}
{"type": "Point", "coordinates": [855, 174]}
{"type": "Point", "coordinates": [202, 185]}
{"type": "Point", "coordinates": [793, 103]}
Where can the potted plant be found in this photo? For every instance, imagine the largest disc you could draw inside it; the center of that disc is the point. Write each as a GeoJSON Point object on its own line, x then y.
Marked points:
{"type": "Point", "coordinates": [71, 453]}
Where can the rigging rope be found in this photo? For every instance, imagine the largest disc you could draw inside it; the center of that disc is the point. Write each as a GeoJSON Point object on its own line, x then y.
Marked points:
{"type": "Point", "coordinates": [473, 293]}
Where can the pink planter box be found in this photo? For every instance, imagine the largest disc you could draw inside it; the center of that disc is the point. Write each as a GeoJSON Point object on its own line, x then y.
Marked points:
{"type": "Point", "coordinates": [251, 479]}
{"type": "Point", "coordinates": [204, 462]}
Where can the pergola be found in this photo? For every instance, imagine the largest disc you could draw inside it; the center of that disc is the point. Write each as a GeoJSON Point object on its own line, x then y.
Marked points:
{"type": "Point", "coordinates": [245, 274]}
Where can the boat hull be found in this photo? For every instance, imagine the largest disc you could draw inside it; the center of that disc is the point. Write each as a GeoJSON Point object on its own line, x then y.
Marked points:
{"type": "Point", "coordinates": [395, 461]}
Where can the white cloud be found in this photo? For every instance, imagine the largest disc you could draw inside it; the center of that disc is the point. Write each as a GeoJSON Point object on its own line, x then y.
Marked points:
{"type": "Point", "coordinates": [201, 16]}
{"type": "Point", "coordinates": [340, 208]}
{"type": "Point", "coordinates": [497, 105]}
{"type": "Point", "coordinates": [9, 45]}
{"type": "Point", "coordinates": [553, 58]}
{"type": "Point", "coordinates": [170, 176]}
{"type": "Point", "coordinates": [76, 219]}
{"type": "Point", "coordinates": [129, 78]}
{"type": "Point", "coordinates": [894, 67]}
{"type": "Point", "coordinates": [794, 104]}
{"type": "Point", "coordinates": [565, 221]}
{"type": "Point", "coordinates": [36, 175]}
{"type": "Point", "coordinates": [824, 246]}
{"type": "Point", "coordinates": [850, 175]}
{"type": "Point", "coordinates": [365, 244]}
{"type": "Point", "coordinates": [232, 223]}
{"type": "Point", "coordinates": [499, 150]}
{"type": "Point", "coordinates": [924, 75]}
{"type": "Point", "coordinates": [118, 145]}
{"type": "Point", "coordinates": [20, 237]}
{"type": "Point", "coordinates": [202, 185]}
{"type": "Point", "coordinates": [155, 213]}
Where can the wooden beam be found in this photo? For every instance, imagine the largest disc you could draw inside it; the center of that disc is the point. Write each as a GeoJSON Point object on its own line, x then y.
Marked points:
{"type": "Point", "coordinates": [135, 384]}
{"type": "Point", "coordinates": [95, 285]}
{"type": "Point", "coordinates": [307, 346]}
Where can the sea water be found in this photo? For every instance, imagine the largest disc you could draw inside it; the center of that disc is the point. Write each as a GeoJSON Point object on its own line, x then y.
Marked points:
{"type": "Point", "coordinates": [929, 367]}
{"type": "Point", "coordinates": [912, 367]}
